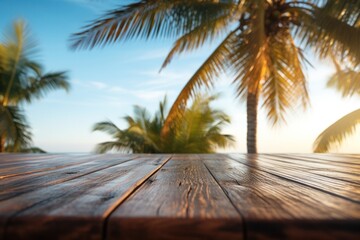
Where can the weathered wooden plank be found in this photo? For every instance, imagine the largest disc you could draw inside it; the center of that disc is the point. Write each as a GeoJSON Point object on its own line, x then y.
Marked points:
{"type": "Point", "coordinates": [75, 209]}
{"type": "Point", "coordinates": [313, 168]}
{"type": "Point", "coordinates": [12, 161]}
{"type": "Point", "coordinates": [279, 196]}
{"type": "Point", "coordinates": [276, 208]}
{"type": "Point", "coordinates": [8, 158]}
{"type": "Point", "coordinates": [354, 158]}
{"type": "Point", "coordinates": [14, 186]}
{"type": "Point", "coordinates": [181, 201]}
{"type": "Point", "coordinates": [35, 164]}
{"type": "Point", "coordinates": [351, 155]}
{"type": "Point", "coordinates": [315, 160]}
{"type": "Point", "coordinates": [345, 162]}
{"type": "Point", "coordinates": [347, 190]}
{"type": "Point", "coordinates": [337, 159]}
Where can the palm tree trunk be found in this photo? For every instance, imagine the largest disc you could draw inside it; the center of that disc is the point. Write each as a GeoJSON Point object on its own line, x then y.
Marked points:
{"type": "Point", "coordinates": [251, 109]}
{"type": "Point", "coordinates": [2, 144]}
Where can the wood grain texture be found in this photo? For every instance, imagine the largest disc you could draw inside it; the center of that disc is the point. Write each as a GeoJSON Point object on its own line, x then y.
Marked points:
{"type": "Point", "coordinates": [323, 169]}
{"type": "Point", "coordinates": [20, 184]}
{"type": "Point", "coordinates": [338, 187]}
{"type": "Point", "coordinates": [209, 196]}
{"type": "Point", "coordinates": [76, 208]}
{"type": "Point", "coordinates": [349, 160]}
{"type": "Point", "coordinates": [181, 201]}
{"type": "Point", "coordinates": [274, 207]}
{"type": "Point", "coordinates": [19, 165]}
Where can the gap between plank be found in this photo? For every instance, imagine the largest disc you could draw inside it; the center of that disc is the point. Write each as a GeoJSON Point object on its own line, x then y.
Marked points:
{"type": "Point", "coordinates": [59, 181]}
{"type": "Point", "coordinates": [244, 230]}
{"type": "Point", "coordinates": [12, 216]}
{"type": "Point", "coordinates": [86, 159]}
{"type": "Point", "coordinates": [126, 195]}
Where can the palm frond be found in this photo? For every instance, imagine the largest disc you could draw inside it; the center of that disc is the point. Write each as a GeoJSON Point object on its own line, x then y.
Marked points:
{"type": "Point", "coordinates": [41, 84]}
{"type": "Point", "coordinates": [199, 131]}
{"type": "Point", "coordinates": [285, 84]}
{"type": "Point", "coordinates": [326, 33]}
{"type": "Point", "coordinates": [248, 58]}
{"type": "Point", "coordinates": [108, 127]}
{"type": "Point", "coordinates": [3, 56]}
{"type": "Point", "coordinates": [347, 11]}
{"type": "Point", "coordinates": [32, 150]}
{"type": "Point", "coordinates": [18, 46]}
{"type": "Point", "coordinates": [337, 132]}
{"type": "Point", "coordinates": [161, 115]}
{"type": "Point", "coordinates": [346, 81]}
{"type": "Point", "coordinates": [260, 53]}
{"type": "Point", "coordinates": [148, 19]}
{"type": "Point", "coordinates": [19, 41]}
{"type": "Point", "coordinates": [196, 38]}
{"type": "Point", "coordinates": [205, 75]}
{"type": "Point", "coordinates": [109, 146]}
{"type": "Point", "coordinates": [21, 79]}
{"type": "Point", "coordinates": [14, 127]}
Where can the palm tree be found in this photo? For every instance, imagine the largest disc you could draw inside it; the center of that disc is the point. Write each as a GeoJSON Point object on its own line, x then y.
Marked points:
{"type": "Point", "coordinates": [14, 130]}
{"type": "Point", "coordinates": [347, 82]}
{"type": "Point", "coordinates": [198, 131]}
{"type": "Point", "coordinates": [262, 44]}
{"type": "Point", "coordinates": [21, 80]}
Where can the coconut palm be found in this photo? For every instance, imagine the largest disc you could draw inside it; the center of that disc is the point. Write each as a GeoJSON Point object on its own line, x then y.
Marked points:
{"type": "Point", "coordinates": [198, 131]}
{"type": "Point", "coordinates": [262, 44]}
{"type": "Point", "coordinates": [14, 130]}
{"type": "Point", "coordinates": [347, 82]}
{"type": "Point", "coordinates": [21, 80]}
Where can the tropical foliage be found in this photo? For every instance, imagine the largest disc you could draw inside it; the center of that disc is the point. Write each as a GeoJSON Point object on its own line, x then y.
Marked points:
{"type": "Point", "coordinates": [347, 82]}
{"type": "Point", "coordinates": [22, 80]}
{"type": "Point", "coordinates": [262, 44]}
{"type": "Point", "coordinates": [198, 131]}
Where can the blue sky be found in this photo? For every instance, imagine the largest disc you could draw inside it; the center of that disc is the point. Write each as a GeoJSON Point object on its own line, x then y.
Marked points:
{"type": "Point", "coordinates": [107, 82]}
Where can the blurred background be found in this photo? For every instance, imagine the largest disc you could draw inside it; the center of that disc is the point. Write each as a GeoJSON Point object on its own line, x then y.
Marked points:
{"type": "Point", "coordinates": [108, 81]}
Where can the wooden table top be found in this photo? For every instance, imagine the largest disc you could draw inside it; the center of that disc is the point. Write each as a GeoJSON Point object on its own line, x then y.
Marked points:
{"type": "Point", "coordinates": [210, 196]}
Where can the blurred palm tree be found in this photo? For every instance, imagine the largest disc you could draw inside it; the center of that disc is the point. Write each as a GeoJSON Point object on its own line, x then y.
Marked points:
{"type": "Point", "coordinates": [198, 131]}
{"type": "Point", "coordinates": [21, 80]}
{"type": "Point", "coordinates": [347, 82]}
{"type": "Point", "coordinates": [262, 44]}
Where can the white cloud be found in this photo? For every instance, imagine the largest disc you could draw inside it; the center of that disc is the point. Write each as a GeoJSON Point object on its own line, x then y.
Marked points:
{"type": "Point", "coordinates": [118, 89]}
{"type": "Point", "coordinates": [98, 85]}
{"type": "Point", "coordinates": [164, 79]}
{"type": "Point", "coordinates": [153, 54]}
{"type": "Point", "coordinates": [112, 92]}
{"type": "Point", "coordinates": [75, 102]}
{"type": "Point", "coordinates": [149, 95]}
